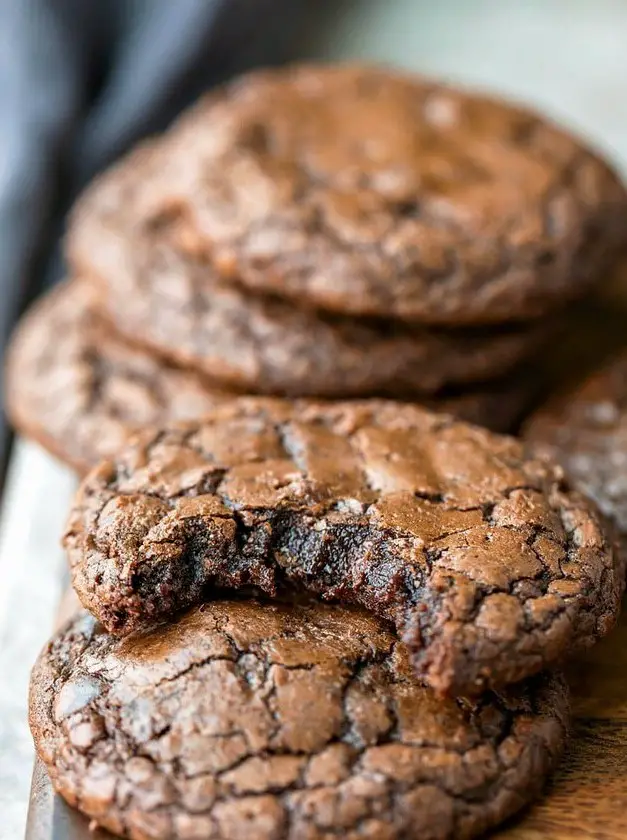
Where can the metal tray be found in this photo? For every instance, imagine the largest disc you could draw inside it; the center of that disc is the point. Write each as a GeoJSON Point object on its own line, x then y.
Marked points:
{"type": "Point", "coordinates": [49, 818]}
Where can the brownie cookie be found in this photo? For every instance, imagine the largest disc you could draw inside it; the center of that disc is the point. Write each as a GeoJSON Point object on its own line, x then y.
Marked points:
{"type": "Point", "coordinates": [585, 429]}
{"type": "Point", "coordinates": [79, 391]}
{"type": "Point", "coordinates": [367, 191]}
{"type": "Point", "coordinates": [489, 565]}
{"type": "Point", "coordinates": [158, 290]}
{"type": "Point", "coordinates": [245, 720]}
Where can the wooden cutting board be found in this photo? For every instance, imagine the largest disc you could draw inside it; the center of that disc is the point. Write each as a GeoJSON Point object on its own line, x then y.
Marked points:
{"type": "Point", "coordinates": [587, 799]}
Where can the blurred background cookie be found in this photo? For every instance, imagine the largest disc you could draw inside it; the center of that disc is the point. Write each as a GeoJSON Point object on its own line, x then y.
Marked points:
{"type": "Point", "coordinates": [368, 191]}
{"type": "Point", "coordinates": [584, 428]}
{"type": "Point", "coordinates": [79, 389]}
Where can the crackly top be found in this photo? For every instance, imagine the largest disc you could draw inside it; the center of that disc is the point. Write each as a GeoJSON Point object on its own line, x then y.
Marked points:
{"type": "Point", "coordinates": [155, 284]}
{"type": "Point", "coordinates": [489, 565]}
{"type": "Point", "coordinates": [585, 429]}
{"type": "Point", "coordinates": [281, 723]}
{"type": "Point", "coordinates": [366, 190]}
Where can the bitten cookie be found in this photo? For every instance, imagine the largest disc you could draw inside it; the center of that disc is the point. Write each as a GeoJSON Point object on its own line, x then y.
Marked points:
{"type": "Point", "coordinates": [80, 391]}
{"type": "Point", "coordinates": [158, 289]}
{"type": "Point", "coordinates": [367, 191]}
{"type": "Point", "coordinates": [244, 720]}
{"type": "Point", "coordinates": [489, 565]}
{"type": "Point", "coordinates": [585, 430]}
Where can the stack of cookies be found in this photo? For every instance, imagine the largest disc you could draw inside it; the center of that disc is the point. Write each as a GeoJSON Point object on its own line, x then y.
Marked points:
{"type": "Point", "coordinates": [328, 232]}
{"type": "Point", "coordinates": [206, 694]}
{"type": "Point", "coordinates": [308, 618]}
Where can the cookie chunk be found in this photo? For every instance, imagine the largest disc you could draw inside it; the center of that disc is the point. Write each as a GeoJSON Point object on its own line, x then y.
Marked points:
{"type": "Point", "coordinates": [367, 191]}
{"type": "Point", "coordinates": [281, 723]}
{"type": "Point", "coordinates": [157, 289]}
{"type": "Point", "coordinates": [80, 391]}
{"type": "Point", "coordinates": [585, 429]}
{"type": "Point", "coordinates": [487, 563]}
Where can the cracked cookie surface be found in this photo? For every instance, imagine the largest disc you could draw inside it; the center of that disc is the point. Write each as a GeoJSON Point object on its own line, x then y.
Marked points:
{"type": "Point", "coordinates": [276, 722]}
{"type": "Point", "coordinates": [489, 565]}
{"type": "Point", "coordinates": [585, 429]}
{"type": "Point", "coordinates": [158, 289]}
{"type": "Point", "coordinates": [80, 391]}
{"type": "Point", "coordinates": [366, 191]}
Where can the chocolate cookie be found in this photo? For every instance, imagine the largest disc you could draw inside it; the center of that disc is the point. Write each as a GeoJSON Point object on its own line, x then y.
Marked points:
{"type": "Point", "coordinates": [281, 723]}
{"type": "Point", "coordinates": [158, 290]}
{"type": "Point", "coordinates": [80, 391]}
{"type": "Point", "coordinates": [585, 429]}
{"type": "Point", "coordinates": [362, 190]}
{"type": "Point", "coordinates": [488, 564]}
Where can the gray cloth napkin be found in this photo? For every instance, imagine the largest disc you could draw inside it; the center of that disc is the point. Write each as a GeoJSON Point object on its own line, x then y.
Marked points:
{"type": "Point", "coordinates": [80, 80]}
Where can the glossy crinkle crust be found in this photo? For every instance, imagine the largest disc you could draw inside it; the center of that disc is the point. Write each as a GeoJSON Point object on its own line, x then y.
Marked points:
{"type": "Point", "coordinates": [248, 720]}
{"type": "Point", "coordinates": [489, 565]}
{"type": "Point", "coordinates": [367, 191]}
